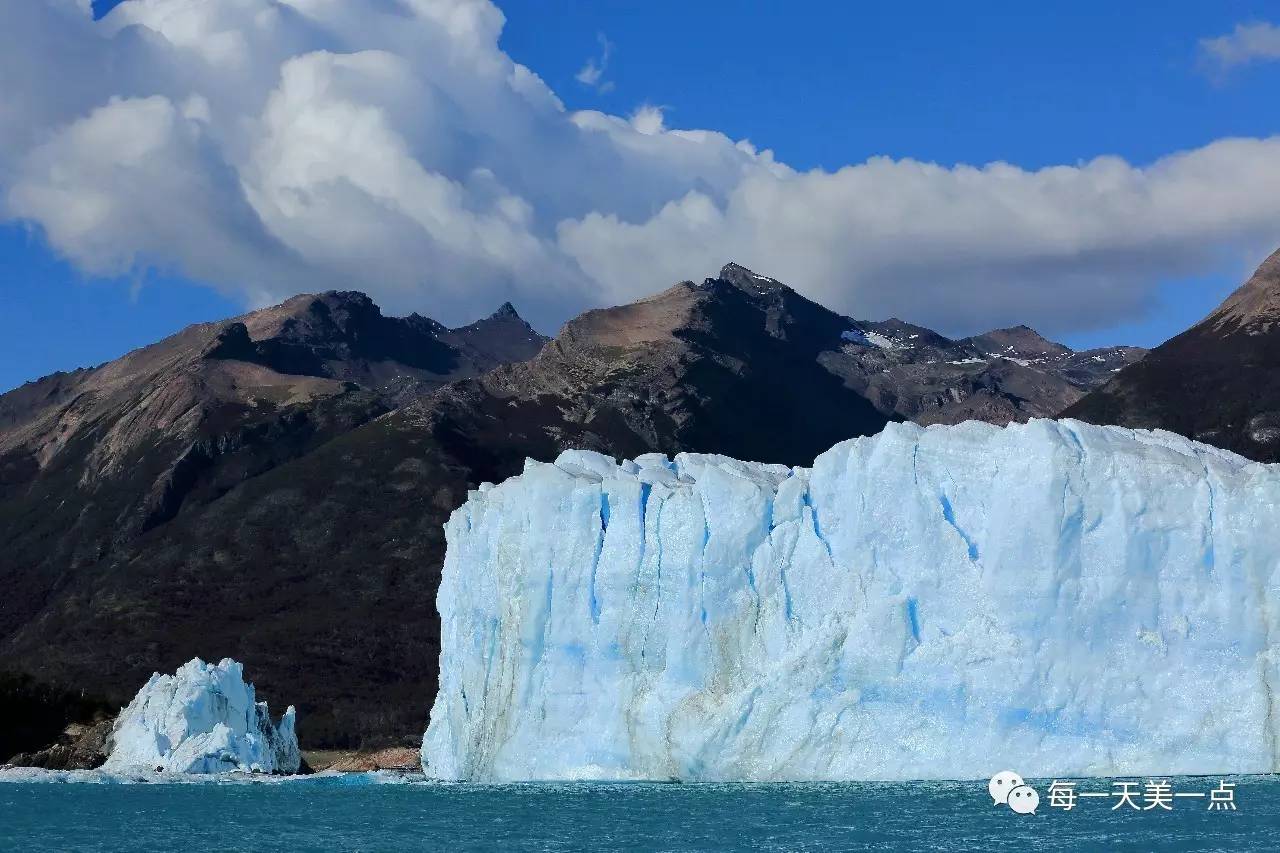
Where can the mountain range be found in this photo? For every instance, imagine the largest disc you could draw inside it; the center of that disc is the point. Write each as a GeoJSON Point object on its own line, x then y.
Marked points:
{"type": "Point", "coordinates": [272, 487]}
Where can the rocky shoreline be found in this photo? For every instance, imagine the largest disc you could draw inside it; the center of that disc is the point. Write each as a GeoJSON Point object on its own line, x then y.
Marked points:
{"type": "Point", "coordinates": [79, 747]}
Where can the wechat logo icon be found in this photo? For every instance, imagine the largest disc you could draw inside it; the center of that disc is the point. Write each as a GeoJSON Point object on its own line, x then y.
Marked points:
{"type": "Point", "coordinates": [1009, 789]}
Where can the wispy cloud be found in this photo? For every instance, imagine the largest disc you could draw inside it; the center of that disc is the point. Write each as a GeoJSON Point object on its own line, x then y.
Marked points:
{"type": "Point", "coordinates": [1245, 45]}
{"type": "Point", "coordinates": [593, 70]}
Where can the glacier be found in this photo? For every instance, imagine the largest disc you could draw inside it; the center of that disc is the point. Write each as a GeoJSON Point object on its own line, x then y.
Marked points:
{"type": "Point", "coordinates": [202, 719]}
{"type": "Point", "coordinates": [1057, 598]}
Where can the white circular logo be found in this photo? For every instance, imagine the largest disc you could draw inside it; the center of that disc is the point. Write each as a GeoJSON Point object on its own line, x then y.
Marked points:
{"type": "Point", "coordinates": [1024, 799]}
{"type": "Point", "coordinates": [1001, 784]}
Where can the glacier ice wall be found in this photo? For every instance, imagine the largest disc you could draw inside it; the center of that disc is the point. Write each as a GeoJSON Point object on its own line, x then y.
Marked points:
{"type": "Point", "coordinates": [202, 719]}
{"type": "Point", "coordinates": [1055, 597]}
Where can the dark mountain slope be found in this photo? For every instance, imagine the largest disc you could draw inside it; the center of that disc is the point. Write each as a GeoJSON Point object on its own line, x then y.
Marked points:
{"type": "Point", "coordinates": [93, 461]}
{"type": "Point", "coordinates": [321, 572]}
{"type": "Point", "coordinates": [1217, 382]}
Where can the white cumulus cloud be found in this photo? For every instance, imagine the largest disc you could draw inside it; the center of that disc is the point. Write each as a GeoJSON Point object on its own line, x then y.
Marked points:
{"type": "Point", "coordinates": [268, 147]}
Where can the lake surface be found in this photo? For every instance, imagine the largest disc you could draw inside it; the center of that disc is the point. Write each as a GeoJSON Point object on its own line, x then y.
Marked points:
{"type": "Point", "coordinates": [365, 812]}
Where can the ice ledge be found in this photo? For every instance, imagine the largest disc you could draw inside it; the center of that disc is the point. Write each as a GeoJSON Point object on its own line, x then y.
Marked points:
{"type": "Point", "coordinates": [686, 468]}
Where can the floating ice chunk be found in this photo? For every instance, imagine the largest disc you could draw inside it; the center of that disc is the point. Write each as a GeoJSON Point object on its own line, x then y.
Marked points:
{"type": "Point", "coordinates": [1065, 599]}
{"type": "Point", "coordinates": [202, 719]}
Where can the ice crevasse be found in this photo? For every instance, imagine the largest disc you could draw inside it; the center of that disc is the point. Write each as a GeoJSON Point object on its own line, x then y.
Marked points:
{"type": "Point", "coordinates": [202, 719]}
{"type": "Point", "coordinates": [945, 602]}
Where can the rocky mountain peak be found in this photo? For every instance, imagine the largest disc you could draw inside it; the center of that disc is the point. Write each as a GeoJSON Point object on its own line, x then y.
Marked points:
{"type": "Point", "coordinates": [1018, 342]}
{"type": "Point", "coordinates": [751, 282]}
{"type": "Point", "coordinates": [312, 317]}
{"type": "Point", "coordinates": [506, 311]}
{"type": "Point", "coordinates": [1255, 306]}
{"type": "Point", "coordinates": [348, 309]}
{"type": "Point", "coordinates": [348, 300]}
{"type": "Point", "coordinates": [502, 337]}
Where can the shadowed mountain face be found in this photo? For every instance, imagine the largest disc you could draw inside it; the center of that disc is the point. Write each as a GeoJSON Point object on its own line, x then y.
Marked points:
{"type": "Point", "coordinates": [94, 463]}
{"type": "Point", "coordinates": [272, 488]}
{"type": "Point", "coordinates": [1217, 382]}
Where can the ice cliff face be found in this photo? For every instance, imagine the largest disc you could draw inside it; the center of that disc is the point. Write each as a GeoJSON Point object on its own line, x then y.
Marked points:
{"type": "Point", "coordinates": [202, 719]}
{"type": "Point", "coordinates": [1055, 597]}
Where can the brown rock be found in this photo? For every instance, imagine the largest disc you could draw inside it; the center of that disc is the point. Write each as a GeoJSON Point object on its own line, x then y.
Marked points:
{"type": "Point", "coordinates": [81, 747]}
{"type": "Point", "coordinates": [393, 758]}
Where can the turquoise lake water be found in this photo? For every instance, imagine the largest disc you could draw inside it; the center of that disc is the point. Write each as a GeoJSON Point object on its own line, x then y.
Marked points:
{"type": "Point", "coordinates": [349, 814]}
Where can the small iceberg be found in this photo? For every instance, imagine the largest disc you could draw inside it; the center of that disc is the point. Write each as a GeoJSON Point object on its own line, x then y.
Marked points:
{"type": "Point", "coordinates": [202, 719]}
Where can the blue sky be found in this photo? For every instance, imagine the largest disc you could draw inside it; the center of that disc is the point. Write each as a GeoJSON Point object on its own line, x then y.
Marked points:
{"type": "Point", "coordinates": [826, 84]}
{"type": "Point", "coordinates": [822, 85]}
